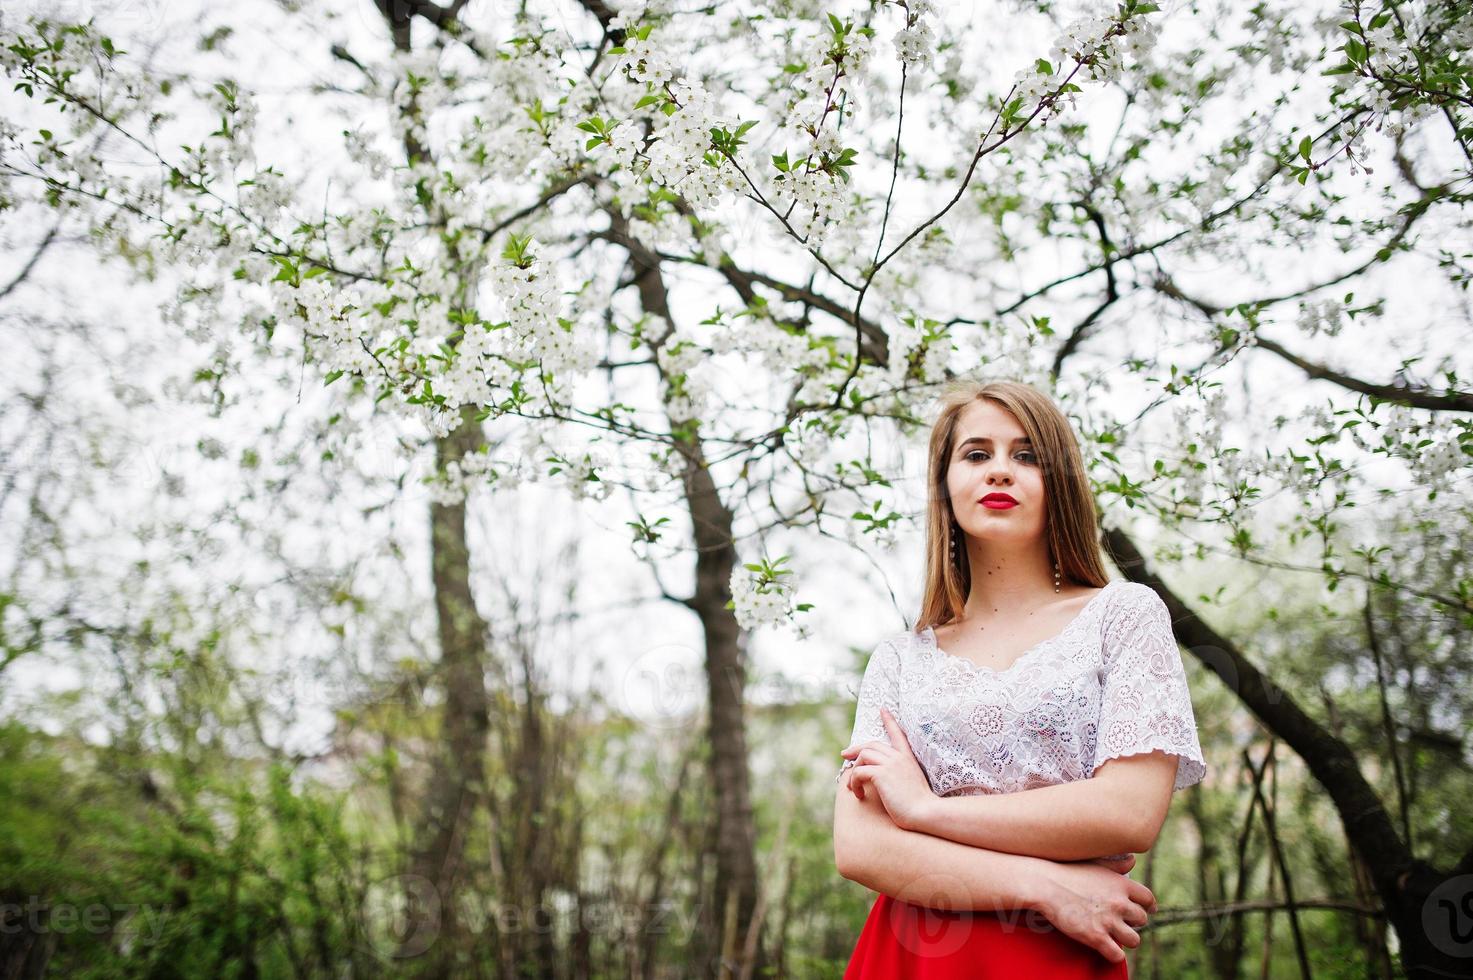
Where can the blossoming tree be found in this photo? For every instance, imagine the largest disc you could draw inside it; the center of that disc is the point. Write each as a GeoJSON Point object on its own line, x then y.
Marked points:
{"type": "Point", "coordinates": [712, 255]}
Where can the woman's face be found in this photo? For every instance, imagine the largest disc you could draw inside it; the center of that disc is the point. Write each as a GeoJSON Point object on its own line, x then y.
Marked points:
{"type": "Point", "coordinates": [990, 454]}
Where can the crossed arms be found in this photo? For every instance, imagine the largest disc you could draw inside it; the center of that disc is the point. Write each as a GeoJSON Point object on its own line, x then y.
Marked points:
{"type": "Point", "coordinates": [989, 846]}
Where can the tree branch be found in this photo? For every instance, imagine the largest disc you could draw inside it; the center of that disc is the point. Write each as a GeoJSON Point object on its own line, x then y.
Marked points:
{"type": "Point", "coordinates": [1368, 827]}
{"type": "Point", "coordinates": [25, 271]}
{"type": "Point", "coordinates": [1112, 291]}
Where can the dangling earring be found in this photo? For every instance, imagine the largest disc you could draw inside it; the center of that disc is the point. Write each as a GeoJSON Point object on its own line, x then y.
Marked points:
{"type": "Point", "coordinates": [1056, 575]}
{"type": "Point", "coordinates": [955, 533]}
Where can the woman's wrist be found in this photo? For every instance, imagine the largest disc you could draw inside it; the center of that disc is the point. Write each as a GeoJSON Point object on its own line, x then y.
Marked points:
{"type": "Point", "coordinates": [1040, 888]}
{"type": "Point", "coordinates": [924, 818]}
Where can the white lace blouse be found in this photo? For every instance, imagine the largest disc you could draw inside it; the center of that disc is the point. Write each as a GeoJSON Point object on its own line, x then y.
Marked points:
{"type": "Point", "coordinates": [1110, 684]}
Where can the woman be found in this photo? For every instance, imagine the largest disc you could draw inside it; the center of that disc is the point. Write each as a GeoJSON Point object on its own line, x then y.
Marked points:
{"type": "Point", "coordinates": [1028, 670]}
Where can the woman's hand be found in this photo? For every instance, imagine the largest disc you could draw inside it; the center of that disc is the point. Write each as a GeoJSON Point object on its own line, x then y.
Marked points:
{"type": "Point", "coordinates": [893, 772]}
{"type": "Point", "coordinates": [1120, 865]}
{"type": "Point", "coordinates": [1094, 903]}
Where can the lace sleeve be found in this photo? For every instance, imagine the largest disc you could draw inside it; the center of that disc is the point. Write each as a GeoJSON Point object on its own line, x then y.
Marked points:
{"type": "Point", "coordinates": [1145, 703]}
{"type": "Point", "coordinates": [880, 685]}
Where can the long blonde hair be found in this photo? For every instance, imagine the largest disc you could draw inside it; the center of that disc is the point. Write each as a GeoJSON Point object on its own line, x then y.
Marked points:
{"type": "Point", "coordinates": [1071, 523]}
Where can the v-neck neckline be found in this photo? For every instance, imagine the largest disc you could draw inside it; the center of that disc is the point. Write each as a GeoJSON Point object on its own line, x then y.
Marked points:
{"type": "Point", "coordinates": [1068, 628]}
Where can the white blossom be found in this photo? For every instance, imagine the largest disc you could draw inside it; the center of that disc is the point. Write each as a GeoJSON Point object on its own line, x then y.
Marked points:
{"type": "Point", "coordinates": [1322, 317]}
{"type": "Point", "coordinates": [759, 604]}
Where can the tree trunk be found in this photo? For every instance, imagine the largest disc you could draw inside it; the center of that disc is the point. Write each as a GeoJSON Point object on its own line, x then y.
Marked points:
{"type": "Point", "coordinates": [736, 864]}
{"type": "Point", "coordinates": [716, 556]}
{"type": "Point", "coordinates": [458, 774]}
{"type": "Point", "coordinates": [457, 778]}
{"type": "Point", "coordinates": [26, 941]}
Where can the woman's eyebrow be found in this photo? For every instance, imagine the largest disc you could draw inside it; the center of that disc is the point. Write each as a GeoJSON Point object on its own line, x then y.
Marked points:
{"type": "Point", "coordinates": [1021, 440]}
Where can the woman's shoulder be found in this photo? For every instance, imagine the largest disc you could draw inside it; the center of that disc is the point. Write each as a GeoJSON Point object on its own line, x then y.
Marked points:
{"type": "Point", "coordinates": [1133, 602]}
{"type": "Point", "coordinates": [1130, 592]}
{"type": "Point", "coordinates": [899, 643]}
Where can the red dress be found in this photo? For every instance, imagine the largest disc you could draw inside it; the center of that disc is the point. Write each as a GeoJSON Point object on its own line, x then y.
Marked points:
{"type": "Point", "coordinates": [902, 941]}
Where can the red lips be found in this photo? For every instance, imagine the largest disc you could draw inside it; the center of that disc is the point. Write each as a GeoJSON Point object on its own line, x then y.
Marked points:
{"type": "Point", "coordinates": [998, 501]}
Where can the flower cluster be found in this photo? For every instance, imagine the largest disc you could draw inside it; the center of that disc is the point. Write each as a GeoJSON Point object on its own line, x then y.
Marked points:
{"type": "Point", "coordinates": [626, 142]}
{"type": "Point", "coordinates": [818, 201]}
{"type": "Point", "coordinates": [461, 476]}
{"type": "Point", "coordinates": [677, 157]}
{"type": "Point", "coordinates": [410, 349]}
{"type": "Point", "coordinates": [1322, 317]}
{"type": "Point", "coordinates": [808, 439]}
{"type": "Point", "coordinates": [782, 351]}
{"type": "Point", "coordinates": [578, 473]}
{"type": "Point", "coordinates": [1434, 465]}
{"type": "Point", "coordinates": [834, 62]}
{"type": "Point", "coordinates": [678, 152]}
{"type": "Point", "coordinates": [1434, 450]}
{"type": "Point", "coordinates": [266, 194]}
{"type": "Point", "coordinates": [1198, 431]}
{"type": "Point", "coordinates": [1095, 42]}
{"type": "Point", "coordinates": [830, 61]}
{"type": "Point", "coordinates": [759, 598]}
{"type": "Point", "coordinates": [1386, 52]}
{"type": "Point", "coordinates": [915, 43]}
{"type": "Point", "coordinates": [1385, 57]}
{"type": "Point", "coordinates": [531, 296]}
{"type": "Point", "coordinates": [689, 388]}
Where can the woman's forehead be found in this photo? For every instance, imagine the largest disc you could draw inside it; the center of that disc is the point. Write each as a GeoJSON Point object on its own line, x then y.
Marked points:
{"type": "Point", "coordinates": [987, 422]}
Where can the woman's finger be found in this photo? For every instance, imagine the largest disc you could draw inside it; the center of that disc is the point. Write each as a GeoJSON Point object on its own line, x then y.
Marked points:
{"type": "Point", "coordinates": [874, 754]}
{"type": "Point", "coordinates": [863, 777]}
{"type": "Point", "coordinates": [851, 750]}
{"type": "Point", "coordinates": [1123, 934]}
{"type": "Point", "coordinates": [1141, 895]}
